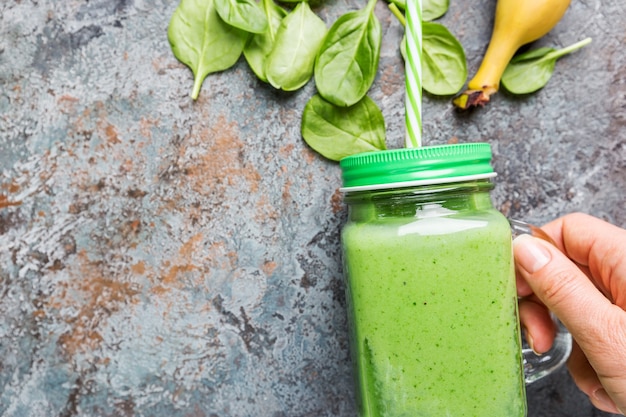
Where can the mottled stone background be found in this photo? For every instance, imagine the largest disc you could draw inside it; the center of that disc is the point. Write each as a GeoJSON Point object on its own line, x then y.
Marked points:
{"type": "Point", "coordinates": [165, 257]}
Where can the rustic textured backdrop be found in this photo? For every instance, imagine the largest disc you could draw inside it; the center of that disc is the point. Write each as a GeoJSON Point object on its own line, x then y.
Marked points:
{"type": "Point", "coordinates": [165, 257]}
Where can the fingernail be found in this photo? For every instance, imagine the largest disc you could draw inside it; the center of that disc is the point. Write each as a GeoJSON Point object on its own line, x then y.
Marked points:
{"type": "Point", "coordinates": [530, 253]}
{"type": "Point", "coordinates": [603, 398]}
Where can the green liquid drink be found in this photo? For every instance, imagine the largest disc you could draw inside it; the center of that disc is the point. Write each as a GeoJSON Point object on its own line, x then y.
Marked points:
{"type": "Point", "coordinates": [434, 319]}
{"type": "Point", "coordinates": [430, 286]}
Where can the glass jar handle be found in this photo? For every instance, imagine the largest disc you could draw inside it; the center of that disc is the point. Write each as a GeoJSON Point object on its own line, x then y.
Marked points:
{"type": "Point", "coordinates": [537, 366]}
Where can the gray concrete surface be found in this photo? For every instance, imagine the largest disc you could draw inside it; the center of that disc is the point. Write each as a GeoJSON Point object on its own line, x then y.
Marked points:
{"type": "Point", "coordinates": [164, 257]}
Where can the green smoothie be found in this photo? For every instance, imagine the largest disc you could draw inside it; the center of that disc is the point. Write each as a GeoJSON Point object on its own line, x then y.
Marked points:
{"type": "Point", "coordinates": [433, 312]}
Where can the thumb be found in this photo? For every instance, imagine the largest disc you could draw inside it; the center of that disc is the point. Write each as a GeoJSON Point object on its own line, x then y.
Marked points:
{"type": "Point", "coordinates": [562, 286]}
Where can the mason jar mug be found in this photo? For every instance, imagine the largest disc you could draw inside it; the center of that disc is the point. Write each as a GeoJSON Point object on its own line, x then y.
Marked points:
{"type": "Point", "coordinates": [430, 286]}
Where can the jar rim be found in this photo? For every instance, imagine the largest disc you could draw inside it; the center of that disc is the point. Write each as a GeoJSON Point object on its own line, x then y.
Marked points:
{"type": "Point", "coordinates": [416, 166]}
{"type": "Point", "coordinates": [417, 183]}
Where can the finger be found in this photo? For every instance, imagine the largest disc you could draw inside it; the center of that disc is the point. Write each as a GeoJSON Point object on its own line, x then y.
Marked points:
{"type": "Point", "coordinates": [595, 246]}
{"type": "Point", "coordinates": [561, 286]}
{"type": "Point", "coordinates": [587, 380]}
{"type": "Point", "coordinates": [539, 326]}
{"type": "Point", "coordinates": [523, 289]}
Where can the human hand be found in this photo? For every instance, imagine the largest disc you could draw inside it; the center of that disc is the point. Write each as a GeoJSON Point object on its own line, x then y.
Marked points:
{"type": "Point", "coordinates": [583, 283]}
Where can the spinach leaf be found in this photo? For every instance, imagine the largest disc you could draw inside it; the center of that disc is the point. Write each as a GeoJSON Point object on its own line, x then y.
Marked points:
{"type": "Point", "coordinates": [444, 67]}
{"type": "Point", "coordinates": [289, 65]}
{"type": "Point", "coordinates": [531, 71]}
{"type": "Point", "coordinates": [201, 40]}
{"type": "Point", "coordinates": [347, 62]}
{"type": "Point", "coordinates": [243, 14]}
{"type": "Point", "coordinates": [260, 45]}
{"type": "Point", "coordinates": [434, 9]}
{"type": "Point", "coordinates": [431, 9]}
{"type": "Point", "coordinates": [403, 47]}
{"type": "Point", "coordinates": [336, 132]}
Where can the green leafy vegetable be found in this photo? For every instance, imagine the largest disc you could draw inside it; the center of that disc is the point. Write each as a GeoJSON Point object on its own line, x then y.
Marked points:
{"type": "Point", "coordinates": [201, 40]}
{"type": "Point", "coordinates": [531, 71]}
{"type": "Point", "coordinates": [431, 9]}
{"type": "Point", "coordinates": [347, 62]}
{"type": "Point", "coordinates": [289, 65]}
{"type": "Point", "coordinates": [243, 14]}
{"type": "Point", "coordinates": [336, 132]}
{"type": "Point", "coordinates": [444, 67]}
{"type": "Point", "coordinates": [260, 45]}
{"type": "Point", "coordinates": [434, 9]}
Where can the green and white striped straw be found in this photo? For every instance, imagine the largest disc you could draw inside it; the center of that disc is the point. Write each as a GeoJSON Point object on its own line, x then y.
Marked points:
{"type": "Point", "coordinates": [413, 73]}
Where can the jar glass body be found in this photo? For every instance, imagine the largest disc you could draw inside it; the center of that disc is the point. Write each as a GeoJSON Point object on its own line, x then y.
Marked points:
{"type": "Point", "coordinates": [432, 304]}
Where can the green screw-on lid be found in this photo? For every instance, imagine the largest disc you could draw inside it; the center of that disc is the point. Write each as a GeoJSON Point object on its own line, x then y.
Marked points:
{"type": "Point", "coordinates": [416, 166]}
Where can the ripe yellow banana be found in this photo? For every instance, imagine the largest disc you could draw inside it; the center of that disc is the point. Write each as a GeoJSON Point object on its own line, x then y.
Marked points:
{"type": "Point", "coordinates": [517, 22]}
